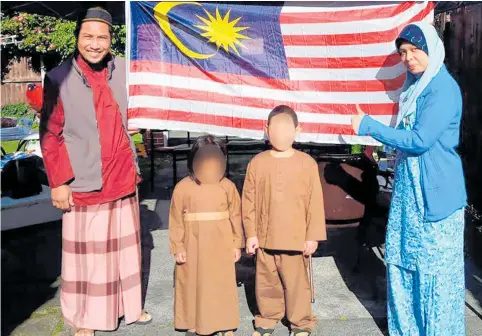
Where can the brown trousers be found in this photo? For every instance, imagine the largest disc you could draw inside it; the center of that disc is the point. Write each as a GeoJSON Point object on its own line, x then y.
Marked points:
{"type": "Point", "coordinates": [283, 288]}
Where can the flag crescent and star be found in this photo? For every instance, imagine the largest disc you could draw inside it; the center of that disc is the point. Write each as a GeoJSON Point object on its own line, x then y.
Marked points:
{"type": "Point", "coordinates": [220, 30]}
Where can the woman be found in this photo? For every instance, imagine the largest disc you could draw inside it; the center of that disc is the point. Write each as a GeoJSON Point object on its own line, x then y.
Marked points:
{"type": "Point", "coordinates": [424, 245]}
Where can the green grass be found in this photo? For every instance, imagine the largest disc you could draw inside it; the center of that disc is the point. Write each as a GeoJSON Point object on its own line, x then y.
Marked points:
{"type": "Point", "coordinates": [42, 312]}
{"type": "Point", "coordinates": [356, 149]}
{"type": "Point", "coordinates": [59, 327]}
{"type": "Point", "coordinates": [10, 146]}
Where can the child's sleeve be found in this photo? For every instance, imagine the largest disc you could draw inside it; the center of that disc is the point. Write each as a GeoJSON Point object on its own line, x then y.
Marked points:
{"type": "Point", "coordinates": [235, 216]}
{"type": "Point", "coordinates": [176, 223]}
{"type": "Point", "coordinates": [249, 203]}
{"type": "Point", "coordinates": [315, 219]}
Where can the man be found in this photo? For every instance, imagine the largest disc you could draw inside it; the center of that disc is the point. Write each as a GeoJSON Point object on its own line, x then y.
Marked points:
{"type": "Point", "coordinates": [92, 170]}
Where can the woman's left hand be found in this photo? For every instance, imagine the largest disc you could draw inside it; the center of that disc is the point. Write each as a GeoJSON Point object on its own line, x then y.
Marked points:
{"type": "Point", "coordinates": [356, 119]}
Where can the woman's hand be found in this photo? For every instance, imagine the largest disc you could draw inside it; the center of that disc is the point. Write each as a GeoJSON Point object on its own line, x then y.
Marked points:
{"type": "Point", "coordinates": [356, 119]}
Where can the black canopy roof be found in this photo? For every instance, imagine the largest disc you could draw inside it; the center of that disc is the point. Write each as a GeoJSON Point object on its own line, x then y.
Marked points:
{"type": "Point", "coordinates": [69, 9]}
{"type": "Point", "coordinates": [65, 9]}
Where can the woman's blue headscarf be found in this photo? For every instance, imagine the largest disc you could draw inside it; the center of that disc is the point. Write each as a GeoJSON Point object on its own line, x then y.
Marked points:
{"type": "Point", "coordinates": [413, 34]}
{"type": "Point", "coordinates": [431, 43]}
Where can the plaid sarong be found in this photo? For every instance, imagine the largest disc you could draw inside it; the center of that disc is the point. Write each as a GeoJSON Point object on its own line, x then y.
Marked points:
{"type": "Point", "coordinates": [101, 265]}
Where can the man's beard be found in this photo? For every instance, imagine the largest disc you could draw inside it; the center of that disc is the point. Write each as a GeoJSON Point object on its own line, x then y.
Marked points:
{"type": "Point", "coordinates": [99, 66]}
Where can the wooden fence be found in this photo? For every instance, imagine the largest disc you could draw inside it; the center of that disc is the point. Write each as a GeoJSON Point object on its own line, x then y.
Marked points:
{"type": "Point", "coordinates": [17, 77]}
{"type": "Point", "coordinates": [463, 41]}
{"type": "Point", "coordinates": [462, 34]}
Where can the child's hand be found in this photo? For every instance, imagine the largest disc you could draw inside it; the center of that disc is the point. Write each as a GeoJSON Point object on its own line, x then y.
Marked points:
{"type": "Point", "coordinates": [180, 258]}
{"type": "Point", "coordinates": [237, 254]}
{"type": "Point", "coordinates": [252, 244]}
{"type": "Point", "coordinates": [310, 247]}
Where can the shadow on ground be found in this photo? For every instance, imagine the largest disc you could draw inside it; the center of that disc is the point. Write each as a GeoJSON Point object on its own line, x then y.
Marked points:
{"type": "Point", "coordinates": [353, 249]}
{"type": "Point", "coordinates": [31, 264]}
{"type": "Point", "coordinates": [473, 275]}
{"type": "Point", "coordinates": [31, 256]}
{"type": "Point", "coordinates": [367, 283]}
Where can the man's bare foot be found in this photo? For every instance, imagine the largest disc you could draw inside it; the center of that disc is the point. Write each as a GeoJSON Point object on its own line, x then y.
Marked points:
{"type": "Point", "coordinates": [84, 332]}
{"type": "Point", "coordinates": [145, 317]}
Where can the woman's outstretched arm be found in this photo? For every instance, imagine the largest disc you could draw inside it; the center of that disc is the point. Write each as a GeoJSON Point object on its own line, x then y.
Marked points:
{"type": "Point", "coordinates": [438, 110]}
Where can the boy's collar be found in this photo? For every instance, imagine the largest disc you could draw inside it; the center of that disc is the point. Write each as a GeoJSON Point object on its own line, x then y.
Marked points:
{"type": "Point", "coordinates": [286, 154]}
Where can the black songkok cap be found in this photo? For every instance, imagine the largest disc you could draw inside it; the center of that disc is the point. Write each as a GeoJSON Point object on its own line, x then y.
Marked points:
{"type": "Point", "coordinates": [98, 14]}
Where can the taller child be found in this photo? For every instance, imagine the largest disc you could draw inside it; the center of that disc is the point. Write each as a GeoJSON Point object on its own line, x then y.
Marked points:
{"type": "Point", "coordinates": [92, 171]}
{"type": "Point", "coordinates": [284, 219]}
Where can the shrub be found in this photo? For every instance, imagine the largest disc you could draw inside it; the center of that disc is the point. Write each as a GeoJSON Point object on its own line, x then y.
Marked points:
{"type": "Point", "coordinates": [15, 110]}
{"type": "Point", "coordinates": [356, 149]}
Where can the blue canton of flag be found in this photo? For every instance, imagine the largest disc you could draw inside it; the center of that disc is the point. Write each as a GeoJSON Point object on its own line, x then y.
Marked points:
{"type": "Point", "coordinates": [216, 37]}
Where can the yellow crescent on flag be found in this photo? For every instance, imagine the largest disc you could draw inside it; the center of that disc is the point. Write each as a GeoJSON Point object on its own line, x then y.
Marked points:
{"type": "Point", "coordinates": [160, 13]}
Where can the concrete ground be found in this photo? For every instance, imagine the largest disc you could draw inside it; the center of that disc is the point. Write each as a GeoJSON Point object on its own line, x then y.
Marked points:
{"type": "Point", "coordinates": [347, 302]}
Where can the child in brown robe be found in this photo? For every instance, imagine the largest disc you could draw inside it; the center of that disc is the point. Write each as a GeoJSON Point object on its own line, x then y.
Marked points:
{"type": "Point", "coordinates": [206, 236]}
{"type": "Point", "coordinates": [283, 217]}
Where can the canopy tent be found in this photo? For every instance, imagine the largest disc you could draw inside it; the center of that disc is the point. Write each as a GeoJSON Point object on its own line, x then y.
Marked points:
{"type": "Point", "coordinates": [445, 6]}
{"type": "Point", "coordinates": [68, 9]}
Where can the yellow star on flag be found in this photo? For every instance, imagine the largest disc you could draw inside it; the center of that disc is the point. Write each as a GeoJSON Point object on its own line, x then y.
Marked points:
{"type": "Point", "coordinates": [222, 32]}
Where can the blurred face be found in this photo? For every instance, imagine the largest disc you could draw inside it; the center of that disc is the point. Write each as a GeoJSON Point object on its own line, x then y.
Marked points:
{"type": "Point", "coordinates": [282, 132]}
{"type": "Point", "coordinates": [209, 169]}
{"type": "Point", "coordinates": [94, 41]}
{"type": "Point", "coordinates": [416, 60]}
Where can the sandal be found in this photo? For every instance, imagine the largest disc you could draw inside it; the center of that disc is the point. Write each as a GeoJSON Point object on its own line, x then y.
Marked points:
{"type": "Point", "coordinates": [83, 331]}
{"type": "Point", "coordinates": [145, 322]}
{"type": "Point", "coordinates": [262, 332]}
{"type": "Point", "coordinates": [300, 332]}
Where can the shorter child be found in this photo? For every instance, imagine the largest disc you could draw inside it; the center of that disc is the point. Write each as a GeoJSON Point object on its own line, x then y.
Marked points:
{"type": "Point", "coordinates": [206, 236]}
{"type": "Point", "coordinates": [283, 217]}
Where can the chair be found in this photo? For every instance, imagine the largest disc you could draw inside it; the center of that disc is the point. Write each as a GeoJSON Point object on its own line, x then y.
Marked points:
{"type": "Point", "coordinates": [174, 151]}
{"type": "Point", "coordinates": [354, 198]}
{"type": "Point", "coordinates": [309, 147]}
{"type": "Point", "coordinates": [243, 147]}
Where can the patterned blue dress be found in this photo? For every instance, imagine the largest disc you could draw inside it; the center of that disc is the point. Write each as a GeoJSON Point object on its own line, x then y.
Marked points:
{"type": "Point", "coordinates": [425, 262]}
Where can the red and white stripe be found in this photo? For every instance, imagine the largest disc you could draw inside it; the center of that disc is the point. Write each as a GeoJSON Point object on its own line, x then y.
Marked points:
{"type": "Point", "coordinates": [337, 57]}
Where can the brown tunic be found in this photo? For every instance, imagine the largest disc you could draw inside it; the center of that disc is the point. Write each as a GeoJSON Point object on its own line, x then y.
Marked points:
{"type": "Point", "coordinates": [206, 297]}
{"type": "Point", "coordinates": [283, 201]}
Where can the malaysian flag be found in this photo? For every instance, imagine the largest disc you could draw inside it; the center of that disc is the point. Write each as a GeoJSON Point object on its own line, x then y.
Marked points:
{"type": "Point", "coordinates": [221, 67]}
